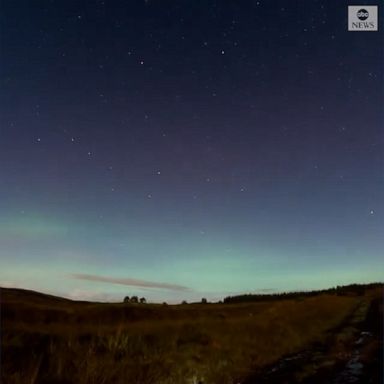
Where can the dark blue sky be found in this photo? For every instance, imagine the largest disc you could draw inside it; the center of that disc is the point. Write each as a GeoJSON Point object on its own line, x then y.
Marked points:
{"type": "Point", "coordinates": [214, 146]}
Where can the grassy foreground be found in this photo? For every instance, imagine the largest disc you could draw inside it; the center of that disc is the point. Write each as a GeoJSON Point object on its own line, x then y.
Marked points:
{"type": "Point", "coordinates": [51, 340]}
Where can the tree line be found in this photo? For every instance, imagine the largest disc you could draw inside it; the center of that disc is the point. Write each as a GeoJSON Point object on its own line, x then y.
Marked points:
{"type": "Point", "coordinates": [347, 290]}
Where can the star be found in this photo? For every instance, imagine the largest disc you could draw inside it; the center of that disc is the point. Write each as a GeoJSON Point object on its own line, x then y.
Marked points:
{"type": "Point", "coordinates": [371, 212]}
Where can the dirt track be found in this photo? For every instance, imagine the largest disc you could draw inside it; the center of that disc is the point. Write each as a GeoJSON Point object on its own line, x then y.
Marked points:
{"type": "Point", "coordinates": [353, 353]}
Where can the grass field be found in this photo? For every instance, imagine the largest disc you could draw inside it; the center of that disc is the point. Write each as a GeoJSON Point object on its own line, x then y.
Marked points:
{"type": "Point", "coordinates": [45, 339]}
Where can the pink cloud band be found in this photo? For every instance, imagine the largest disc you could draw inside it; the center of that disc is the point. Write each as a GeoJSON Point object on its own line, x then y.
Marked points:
{"type": "Point", "coordinates": [129, 281]}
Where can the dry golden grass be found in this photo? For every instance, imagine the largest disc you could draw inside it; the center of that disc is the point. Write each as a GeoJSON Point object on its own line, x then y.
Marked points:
{"type": "Point", "coordinates": [66, 342]}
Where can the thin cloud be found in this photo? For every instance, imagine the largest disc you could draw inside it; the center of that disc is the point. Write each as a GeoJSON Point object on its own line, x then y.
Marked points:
{"type": "Point", "coordinates": [130, 282]}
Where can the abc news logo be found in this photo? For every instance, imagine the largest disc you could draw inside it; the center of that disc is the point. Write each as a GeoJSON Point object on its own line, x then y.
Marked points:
{"type": "Point", "coordinates": [363, 15]}
{"type": "Point", "coordinates": [362, 18]}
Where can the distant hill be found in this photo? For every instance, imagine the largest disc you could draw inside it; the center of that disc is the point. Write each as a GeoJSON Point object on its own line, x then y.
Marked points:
{"type": "Point", "coordinates": [25, 295]}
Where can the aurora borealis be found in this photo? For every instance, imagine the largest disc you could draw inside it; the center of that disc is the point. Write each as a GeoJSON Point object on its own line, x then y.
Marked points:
{"type": "Point", "coordinates": [186, 149]}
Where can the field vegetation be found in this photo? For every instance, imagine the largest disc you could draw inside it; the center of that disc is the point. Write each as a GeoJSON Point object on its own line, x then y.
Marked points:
{"type": "Point", "coordinates": [49, 340]}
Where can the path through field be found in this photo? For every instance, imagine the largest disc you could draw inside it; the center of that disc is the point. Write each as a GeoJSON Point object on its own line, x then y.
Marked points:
{"type": "Point", "coordinates": [353, 354]}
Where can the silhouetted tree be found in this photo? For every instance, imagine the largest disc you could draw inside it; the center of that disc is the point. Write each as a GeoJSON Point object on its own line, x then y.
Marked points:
{"type": "Point", "coordinates": [184, 302]}
{"type": "Point", "coordinates": [204, 300]}
{"type": "Point", "coordinates": [126, 299]}
{"type": "Point", "coordinates": [134, 299]}
{"type": "Point", "coordinates": [142, 300]}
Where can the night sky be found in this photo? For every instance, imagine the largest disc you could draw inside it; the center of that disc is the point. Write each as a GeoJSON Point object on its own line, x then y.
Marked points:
{"type": "Point", "coordinates": [185, 149]}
